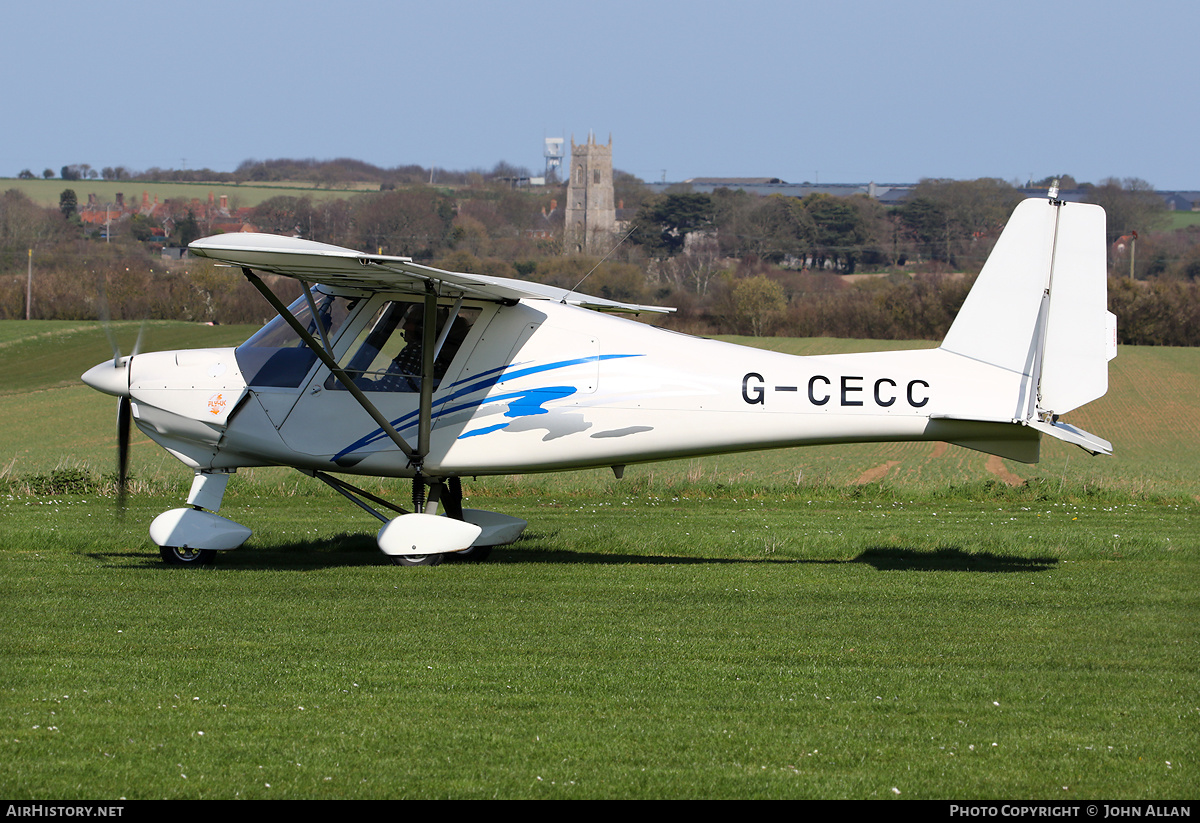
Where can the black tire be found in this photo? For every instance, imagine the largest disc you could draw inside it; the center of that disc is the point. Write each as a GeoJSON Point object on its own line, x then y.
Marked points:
{"type": "Point", "coordinates": [417, 559]}
{"type": "Point", "coordinates": [475, 554]}
{"type": "Point", "coordinates": [183, 556]}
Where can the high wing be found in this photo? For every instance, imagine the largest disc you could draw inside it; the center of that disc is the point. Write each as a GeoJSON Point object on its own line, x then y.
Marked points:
{"type": "Point", "coordinates": [336, 266]}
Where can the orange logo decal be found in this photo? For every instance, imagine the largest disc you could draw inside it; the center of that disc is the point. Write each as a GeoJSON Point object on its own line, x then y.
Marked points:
{"type": "Point", "coordinates": [216, 403]}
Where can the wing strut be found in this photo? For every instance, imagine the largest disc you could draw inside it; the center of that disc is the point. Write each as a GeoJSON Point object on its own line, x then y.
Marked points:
{"type": "Point", "coordinates": [428, 350]}
{"type": "Point", "coordinates": [415, 457]}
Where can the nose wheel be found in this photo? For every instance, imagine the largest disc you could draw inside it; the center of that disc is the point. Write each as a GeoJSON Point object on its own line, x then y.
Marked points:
{"type": "Point", "coordinates": [417, 559]}
{"type": "Point", "coordinates": [183, 556]}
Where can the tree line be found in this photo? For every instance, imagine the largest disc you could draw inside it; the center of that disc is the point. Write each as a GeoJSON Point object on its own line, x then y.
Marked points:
{"type": "Point", "coordinates": [336, 173]}
{"type": "Point", "coordinates": [732, 262]}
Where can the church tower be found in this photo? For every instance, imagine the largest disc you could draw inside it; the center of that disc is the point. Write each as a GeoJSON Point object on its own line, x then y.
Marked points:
{"type": "Point", "coordinates": [591, 214]}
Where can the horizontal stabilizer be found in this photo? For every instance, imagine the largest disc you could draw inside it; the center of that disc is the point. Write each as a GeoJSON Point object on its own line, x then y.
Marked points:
{"type": "Point", "coordinates": [1011, 439]}
{"type": "Point", "coordinates": [1069, 434]}
{"type": "Point", "coordinates": [1003, 438]}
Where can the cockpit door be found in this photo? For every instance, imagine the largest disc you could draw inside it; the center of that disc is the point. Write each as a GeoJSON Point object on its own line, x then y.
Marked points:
{"type": "Point", "coordinates": [382, 354]}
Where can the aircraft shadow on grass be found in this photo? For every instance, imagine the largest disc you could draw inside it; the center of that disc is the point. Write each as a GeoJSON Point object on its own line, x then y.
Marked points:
{"type": "Point", "coordinates": [950, 559]}
{"type": "Point", "coordinates": [359, 550]}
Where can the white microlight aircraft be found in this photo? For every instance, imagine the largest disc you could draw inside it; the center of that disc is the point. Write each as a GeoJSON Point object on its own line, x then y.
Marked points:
{"type": "Point", "coordinates": [389, 368]}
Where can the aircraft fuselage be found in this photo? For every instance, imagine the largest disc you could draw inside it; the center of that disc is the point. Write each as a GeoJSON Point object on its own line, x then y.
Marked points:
{"type": "Point", "coordinates": [547, 387]}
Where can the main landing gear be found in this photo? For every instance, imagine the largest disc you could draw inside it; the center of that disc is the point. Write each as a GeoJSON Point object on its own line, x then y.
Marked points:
{"type": "Point", "coordinates": [424, 538]}
{"type": "Point", "coordinates": [193, 536]}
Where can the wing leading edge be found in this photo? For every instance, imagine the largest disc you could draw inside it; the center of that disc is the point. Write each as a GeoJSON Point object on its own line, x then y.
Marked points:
{"type": "Point", "coordinates": [336, 266]}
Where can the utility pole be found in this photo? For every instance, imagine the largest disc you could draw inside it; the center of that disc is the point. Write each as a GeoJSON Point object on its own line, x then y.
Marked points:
{"type": "Point", "coordinates": [29, 288]}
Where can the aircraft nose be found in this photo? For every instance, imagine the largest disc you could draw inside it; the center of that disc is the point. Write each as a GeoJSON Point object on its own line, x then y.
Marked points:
{"type": "Point", "coordinates": [109, 377]}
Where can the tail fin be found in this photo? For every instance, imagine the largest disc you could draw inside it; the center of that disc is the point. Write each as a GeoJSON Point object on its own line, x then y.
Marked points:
{"type": "Point", "coordinates": [1039, 309]}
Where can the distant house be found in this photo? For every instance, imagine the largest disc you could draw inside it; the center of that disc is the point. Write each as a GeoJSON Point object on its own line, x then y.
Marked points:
{"type": "Point", "coordinates": [735, 182]}
{"type": "Point", "coordinates": [214, 215]}
{"type": "Point", "coordinates": [1182, 200]}
{"type": "Point", "coordinates": [96, 213]}
{"type": "Point", "coordinates": [237, 222]}
{"type": "Point", "coordinates": [887, 193]}
{"type": "Point", "coordinates": [547, 224]}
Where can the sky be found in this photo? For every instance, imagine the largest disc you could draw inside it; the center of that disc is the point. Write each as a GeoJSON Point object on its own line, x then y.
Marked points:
{"type": "Point", "coordinates": [852, 91]}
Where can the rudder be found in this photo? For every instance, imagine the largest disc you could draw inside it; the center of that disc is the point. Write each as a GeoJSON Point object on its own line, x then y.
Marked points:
{"type": "Point", "coordinates": [1039, 309]}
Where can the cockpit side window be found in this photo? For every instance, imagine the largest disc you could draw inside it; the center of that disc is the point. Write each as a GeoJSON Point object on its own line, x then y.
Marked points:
{"type": "Point", "coordinates": [276, 356]}
{"type": "Point", "coordinates": [388, 355]}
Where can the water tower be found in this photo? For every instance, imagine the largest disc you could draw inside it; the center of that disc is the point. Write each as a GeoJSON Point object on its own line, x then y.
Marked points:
{"type": "Point", "coordinates": [554, 156]}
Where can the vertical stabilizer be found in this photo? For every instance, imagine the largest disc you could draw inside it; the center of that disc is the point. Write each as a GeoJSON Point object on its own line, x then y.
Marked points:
{"type": "Point", "coordinates": [998, 321]}
{"type": "Point", "coordinates": [1039, 307]}
{"type": "Point", "coordinates": [1039, 310]}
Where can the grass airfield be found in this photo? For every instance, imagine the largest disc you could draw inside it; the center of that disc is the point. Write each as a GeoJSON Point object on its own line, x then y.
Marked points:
{"type": "Point", "coordinates": [866, 622]}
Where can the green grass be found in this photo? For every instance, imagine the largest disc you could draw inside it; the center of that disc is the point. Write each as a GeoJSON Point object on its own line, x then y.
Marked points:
{"type": "Point", "coordinates": [47, 354]}
{"type": "Point", "coordinates": [1183, 219]}
{"type": "Point", "coordinates": [55, 422]}
{"type": "Point", "coordinates": [704, 648]}
{"type": "Point", "coordinates": [756, 626]}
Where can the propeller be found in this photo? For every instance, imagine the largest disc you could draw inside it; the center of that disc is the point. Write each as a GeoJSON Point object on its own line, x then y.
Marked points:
{"type": "Point", "coordinates": [114, 380]}
{"type": "Point", "coordinates": [124, 424]}
{"type": "Point", "coordinates": [124, 420]}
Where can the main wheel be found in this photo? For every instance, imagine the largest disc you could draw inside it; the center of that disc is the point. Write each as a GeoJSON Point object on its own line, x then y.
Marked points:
{"type": "Point", "coordinates": [417, 559]}
{"type": "Point", "coordinates": [183, 556]}
{"type": "Point", "coordinates": [475, 554]}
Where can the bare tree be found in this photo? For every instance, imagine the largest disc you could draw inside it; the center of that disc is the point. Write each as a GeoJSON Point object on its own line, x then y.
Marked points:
{"type": "Point", "coordinates": [1130, 204]}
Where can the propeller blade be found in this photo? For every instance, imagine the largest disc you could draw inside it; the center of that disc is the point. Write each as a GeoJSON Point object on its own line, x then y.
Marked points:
{"type": "Point", "coordinates": [106, 324]}
{"type": "Point", "coordinates": [124, 424]}
{"type": "Point", "coordinates": [137, 344]}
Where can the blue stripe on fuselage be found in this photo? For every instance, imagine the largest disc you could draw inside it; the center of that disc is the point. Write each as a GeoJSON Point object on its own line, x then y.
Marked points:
{"type": "Point", "coordinates": [525, 402]}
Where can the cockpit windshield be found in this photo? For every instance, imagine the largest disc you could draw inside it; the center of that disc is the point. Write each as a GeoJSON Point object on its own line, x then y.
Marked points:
{"type": "Point", "coordinates": [276, 356]}
{"type": "Point", "coordinates": [388, 354]}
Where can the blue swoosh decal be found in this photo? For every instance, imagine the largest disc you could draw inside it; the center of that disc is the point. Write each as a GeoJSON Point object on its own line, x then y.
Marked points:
{"type": "Point", "coordinates": [524, 404]}
{"type": "Point", "coordinates": [527, 402]}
